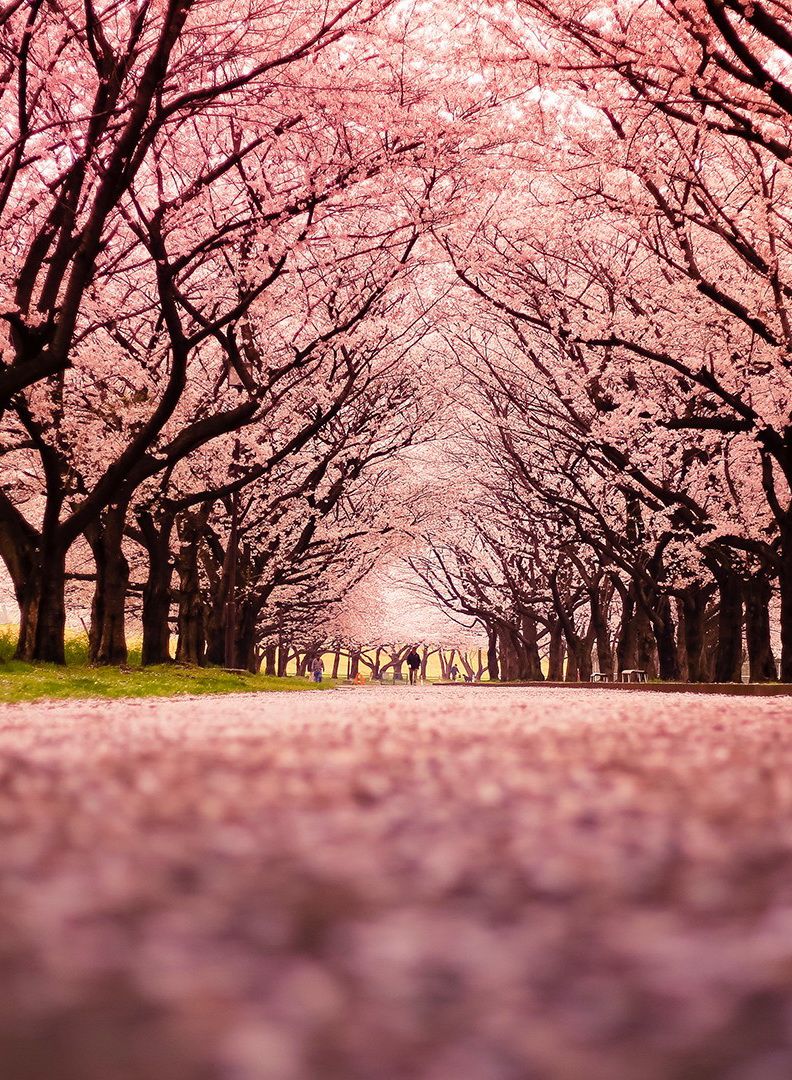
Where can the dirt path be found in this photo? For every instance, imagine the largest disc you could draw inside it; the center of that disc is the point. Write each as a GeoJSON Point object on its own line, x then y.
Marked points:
{"type": "Point", "coordinates": [400, 884]}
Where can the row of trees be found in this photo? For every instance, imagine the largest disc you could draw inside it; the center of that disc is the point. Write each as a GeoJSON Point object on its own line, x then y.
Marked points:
{"type": "Point", "coordinates": [628, 350]}
{"type": "Point", "coordinates": [212, 307]}
{"type": "Point", "coordinates": [256, 253]}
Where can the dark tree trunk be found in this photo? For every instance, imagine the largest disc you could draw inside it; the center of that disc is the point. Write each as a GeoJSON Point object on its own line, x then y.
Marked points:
{"type": "Point", "coordinates": [555, 656]}
{"type": "Point", "coordinates": [693, 602]}
{"type": "Point", "coordinates": [424, 664]}
{"type": "Point", "coordinates": [107, 634]}
{"type": "Point", "coordinates": [532, 660]}
{"type": "Point", "coordinates": [443, 664]}
{"type": "Point", "coordinates": [627, 645]}
{"type": "Point", "coordinates": [51, 608]}
{"type": "Point", "coordinates": [757, 593]}
{"type": "Point", "coordinates": [571, 670]}
{"type": "Point", "coordinates": [270, 658]}
{"type": "Point", "coordinates": [157, 589]}
{"type": "Point", "coordinates": [682, 660]}
{"type": "Point", "coordinates": [212, 562]}
{"type": "Point", "coordinates": [37, 567]}
{"type": "Point", "coordinates": [505, 657]}
{"type": "Point", "coordinates": [710, 643]}
{"type": "Point", "coordinates": [728, 657]}
{"type": "Point", "coordinates": [599, 602]}
{"type": "Point", "coordinates": [663, 627]}
{"type": "Point", "coordinates": [191, 644]}
{"type": "Point", "coordinates": [336, 664]}
{"type": "Point", "coordinates": [28, 594]}
{"type": "Point", "coordinates": [283, 658]}
{"type": "Point", "coordinates": [493, 673]}
{"type": "Point", "coordinates": [785, 585]}
{"type": "Point", "coordinates": [245, 648]}
{"type": "Point", "coordinates": [646, 644]}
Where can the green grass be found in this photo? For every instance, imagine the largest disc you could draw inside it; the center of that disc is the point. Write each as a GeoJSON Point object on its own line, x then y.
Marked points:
{"type": "Point", "coordinates": [78, 679]}
{"type": "Point", "coordinates": [33, 682]}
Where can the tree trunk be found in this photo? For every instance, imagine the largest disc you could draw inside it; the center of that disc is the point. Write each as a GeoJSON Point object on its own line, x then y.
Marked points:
{"type": "Point", "coordinates": [646, 643]}
{"type": "Point", "coordinates": [270, 656]}
{"type": "Point", "coordinates": [627, 646]}
{"type": "Point", "coordinates": [51, 608]}
{"type": "Point", "coordinates": [693, 602]}
{"type": "Point", "coordinates": [555, 658]}
{"type": "Point", "coordinates": [245, 644]}
{"type": "Point", "coordinates": [493, 673]}
{"type": "Point", "coordinates": [663, 627]}
{"type": "Point", "coordinates": [191, 644]}
{"type": "Point", "coordinates": [728, 657]}
{"type": "Point", "coordinates": [785, 585]}
{"type": "Point", "coordinates": [682, 660]}
{"type": "Point", "coordinates": [757, 593]}
{"type": "Point", "coordinates": [157, 589]}
{"type": "Point", "coordinates": [424, 663]}
{"type": "Point", "coordinates": [336, 664]}
{"type": "Point", "coordinates": [532, 660]}
{"type": "Point", "coordinates": [283, 658]}
{"type": "Point", "coordinates": [599, 602]}
{"type": "Point", "coordinates": [107, 634]}
{"type": "Point", "coordinates": [28, 595]}
{"type": "Point", "coordinates": [507, 655]}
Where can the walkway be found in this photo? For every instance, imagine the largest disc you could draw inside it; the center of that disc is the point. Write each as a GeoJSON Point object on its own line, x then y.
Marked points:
{"type": "Point", "coordinates": [429, 885]}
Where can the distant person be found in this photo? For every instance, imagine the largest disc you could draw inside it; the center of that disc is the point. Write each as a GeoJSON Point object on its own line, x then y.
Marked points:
{"type": "Point", "coordinates": [454, 673]}
{"type": "Point", "coordinates": [317, 669]}
{"type": "Point", "coordinates": [413, 665]}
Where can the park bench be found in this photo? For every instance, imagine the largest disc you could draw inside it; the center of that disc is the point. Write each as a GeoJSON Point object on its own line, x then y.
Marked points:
{"type": "Point", "coordinates": [600, 676]}
{"type": "Point", "coordinates": [633, 675]}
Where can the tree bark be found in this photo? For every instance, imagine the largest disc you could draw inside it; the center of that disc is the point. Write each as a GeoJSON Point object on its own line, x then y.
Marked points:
{"type": "Point", "coordinates": [693, 602]}
{"type": "Point", "coordinates": [532, 660]}
{"type": "Point", "coordinates": [728, 657]}
{"type": "Point", "coordinates": [757, 593]}
{"type": "Point", "coordinates": [600, 596]}
{"type": "Point", "coordinates": [191, 644]}
{"type": "Point", "coordinates": [270, 658]}
{"type": "Point", "coordinates": [785, 585]}
{"type": "Point", "coordinates": [493, 673]}
{"type": "Point", "coordinates": [555, 657]}
{"type": "Point", "coordinates": [663, 628]}
{"type": "Point", "coordinates": [51, 608]}
{"type": "Point", "coordinates": [157, 589]}
{"type": "Point", "coordinates": [245, 648]}
{"type": "Point", "coordinates": [25, 573]}
{"type": "Point", "coordinates": [627, 645]}
{"type": "Point", "coordinates": [107, 634]}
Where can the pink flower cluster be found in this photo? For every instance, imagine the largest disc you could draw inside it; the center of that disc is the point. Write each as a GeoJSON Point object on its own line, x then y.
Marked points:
{"type": "Point", "coordinates": [375, 884]}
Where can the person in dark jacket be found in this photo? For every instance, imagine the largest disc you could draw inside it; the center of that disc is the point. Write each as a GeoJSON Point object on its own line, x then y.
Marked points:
{"type": "Point", "coordinates": [413, 665]}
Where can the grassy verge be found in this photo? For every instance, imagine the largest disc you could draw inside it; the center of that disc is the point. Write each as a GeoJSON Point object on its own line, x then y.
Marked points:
{"type": "Point", "coordinates": [33, 682]}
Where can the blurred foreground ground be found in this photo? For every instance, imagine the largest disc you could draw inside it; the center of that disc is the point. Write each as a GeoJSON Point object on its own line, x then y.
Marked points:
{"type": "Point", "coordinates": [397, 884]}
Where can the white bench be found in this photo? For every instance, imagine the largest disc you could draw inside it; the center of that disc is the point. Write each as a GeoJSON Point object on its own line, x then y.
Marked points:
{"type": "Point", "coordinates": [599, 676]}
{"type": "Point", "coordinates": [633, 675]}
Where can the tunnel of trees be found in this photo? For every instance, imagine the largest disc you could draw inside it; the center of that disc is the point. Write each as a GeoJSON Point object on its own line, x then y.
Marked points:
{"type": "Point", "coordinates": [292, 292]}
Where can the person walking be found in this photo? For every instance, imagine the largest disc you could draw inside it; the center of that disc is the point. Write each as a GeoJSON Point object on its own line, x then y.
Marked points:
{"type": "Point", "coordinates": [317, 669]}
{"type": "Point", "coordinates": [413, 665]}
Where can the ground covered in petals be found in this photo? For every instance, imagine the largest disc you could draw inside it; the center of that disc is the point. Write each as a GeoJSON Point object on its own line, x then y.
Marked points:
{"type": "Point", "coordinates": [397, 884]}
